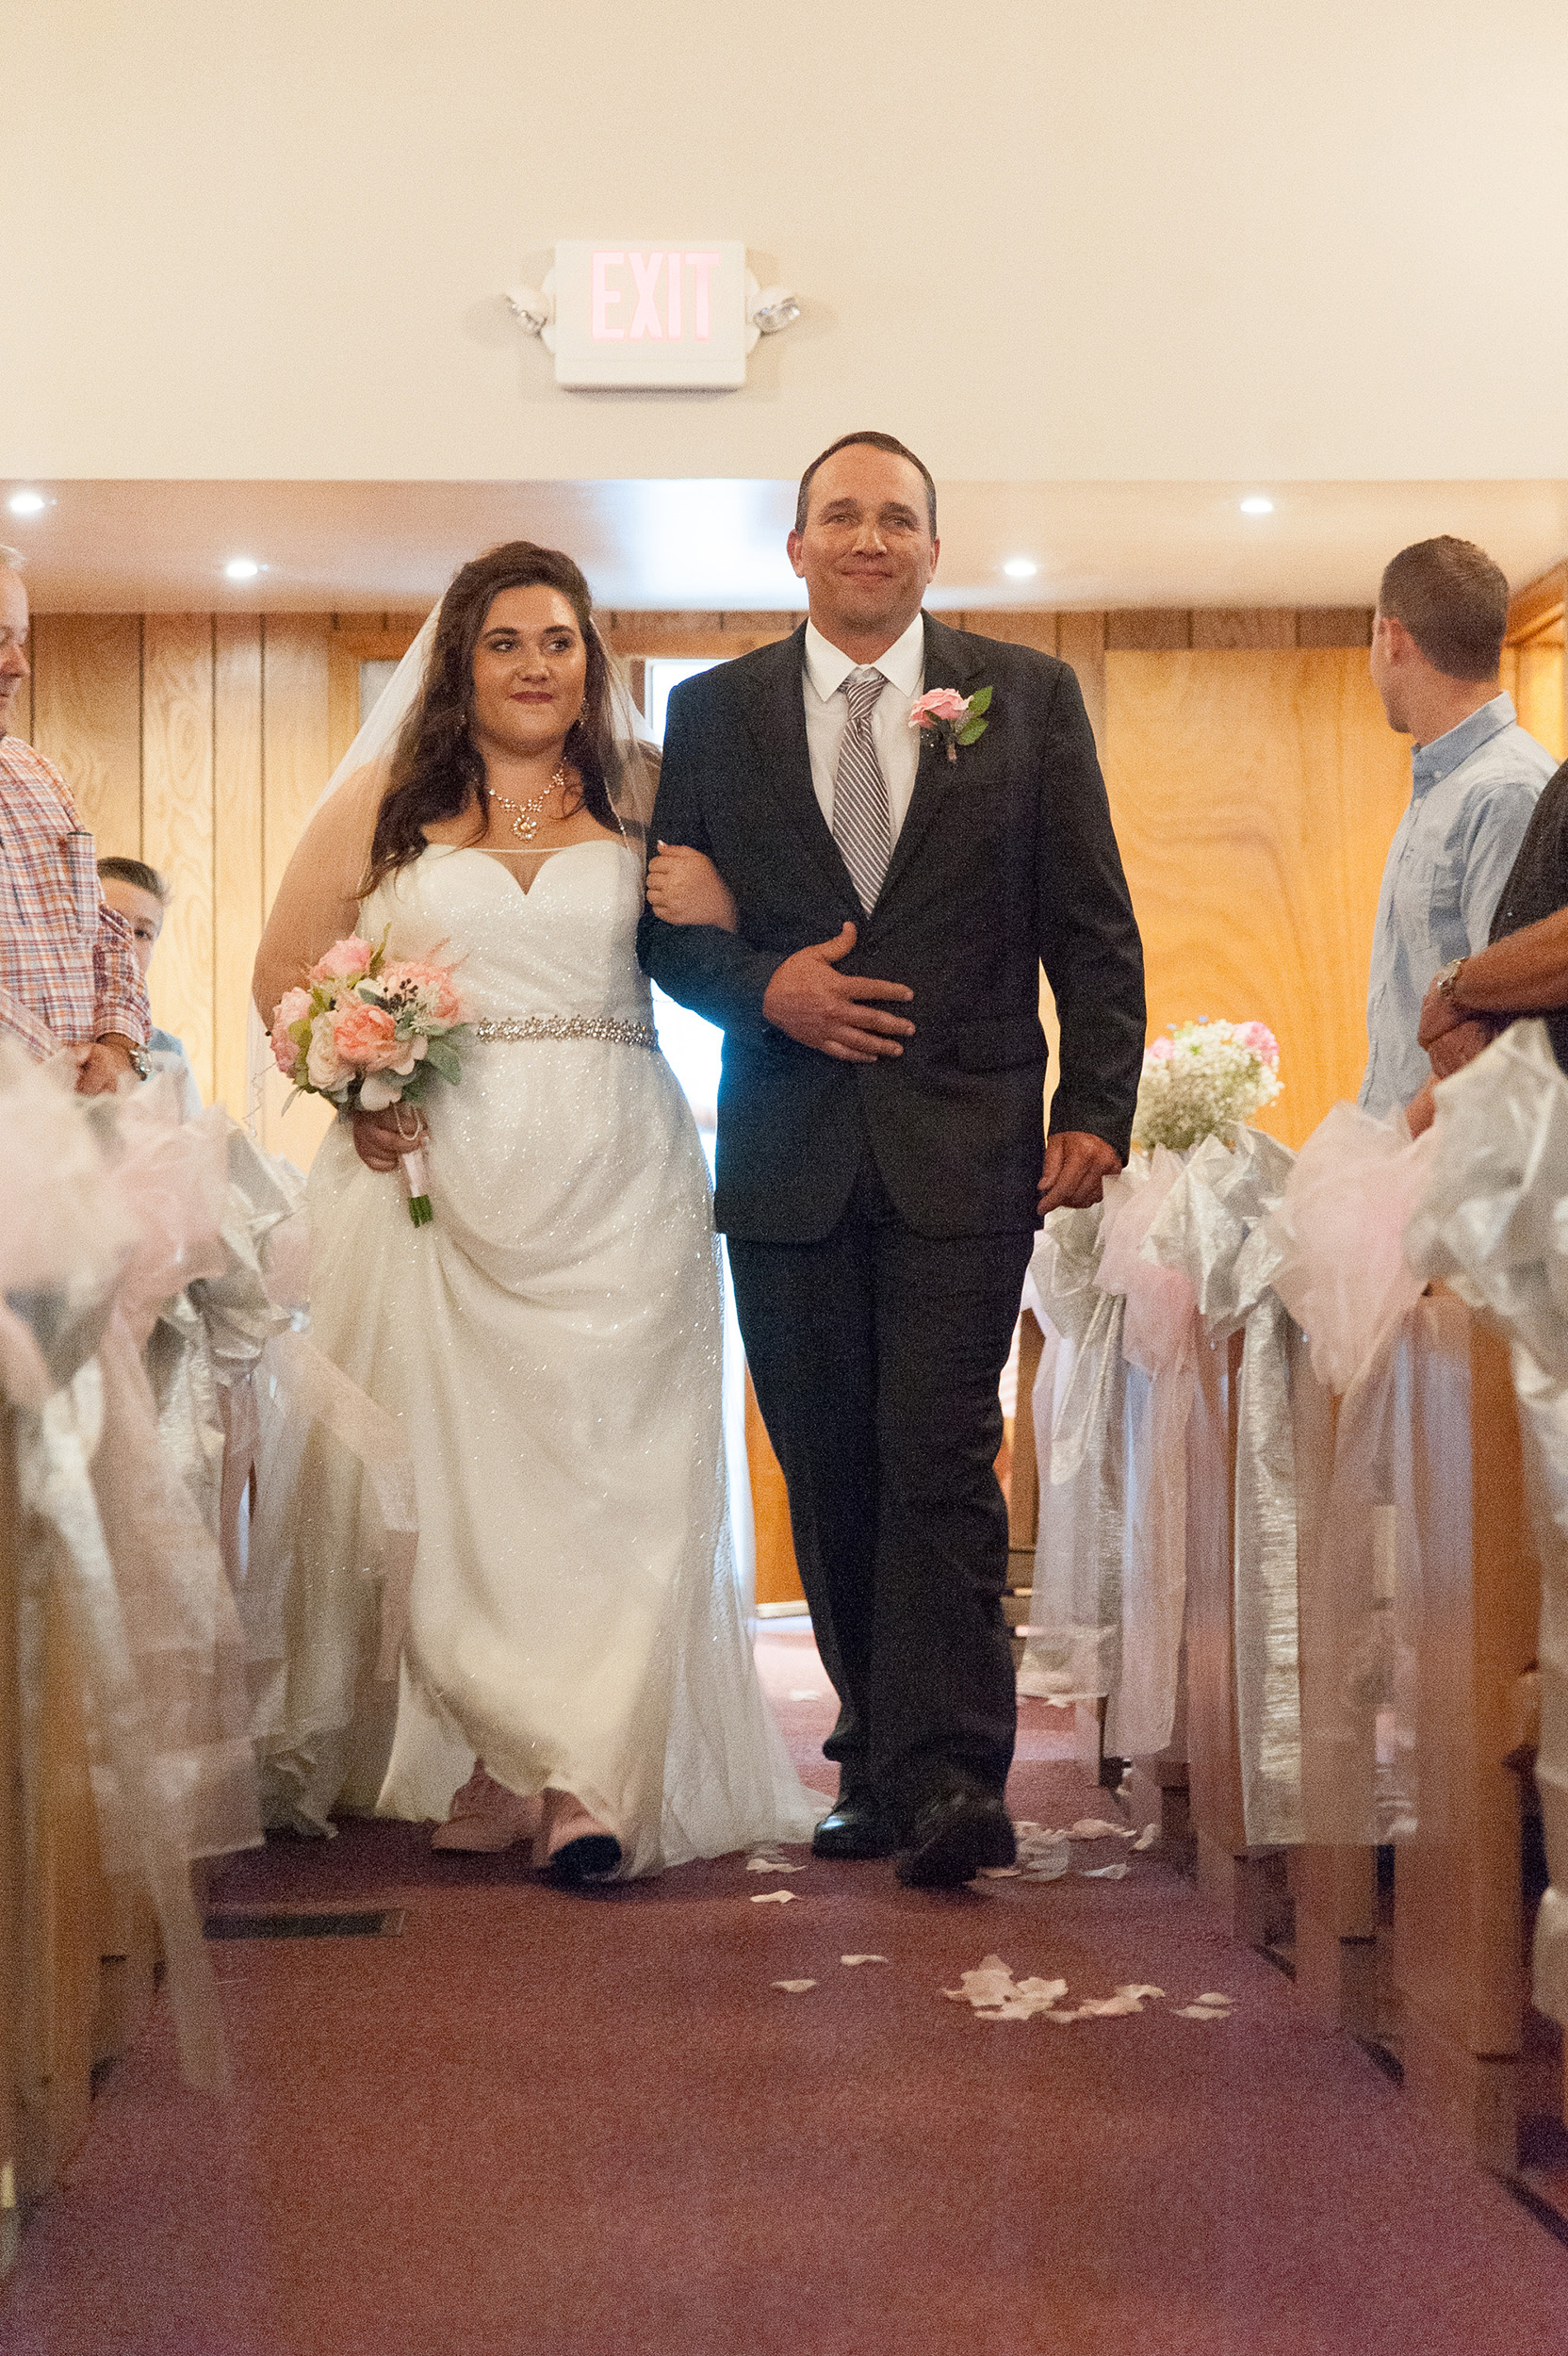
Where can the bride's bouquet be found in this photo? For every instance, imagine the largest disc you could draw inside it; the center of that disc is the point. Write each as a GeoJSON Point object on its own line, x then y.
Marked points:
{"type": "Point", "coordinates": [370, 1031]}
{"type": "Point", "coordinates": [1207, 1079]}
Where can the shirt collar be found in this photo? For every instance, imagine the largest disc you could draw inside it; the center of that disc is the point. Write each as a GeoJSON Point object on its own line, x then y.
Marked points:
{"type": "Point", "coordinates": [1430, 763]}
{"type": "Point", "coordinates": [902, 666]}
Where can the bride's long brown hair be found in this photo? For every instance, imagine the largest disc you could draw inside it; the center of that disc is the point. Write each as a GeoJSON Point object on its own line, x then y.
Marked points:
{"type": "Point", "coordinates": [437, 769]}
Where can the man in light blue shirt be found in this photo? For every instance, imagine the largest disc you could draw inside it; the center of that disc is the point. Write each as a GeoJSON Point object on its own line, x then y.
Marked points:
{"type": "Point", "coordinates": [1437, 641]}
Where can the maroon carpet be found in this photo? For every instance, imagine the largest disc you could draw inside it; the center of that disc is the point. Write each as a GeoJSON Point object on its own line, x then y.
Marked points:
{"type": "Point", "coordinates": [542, 2123]}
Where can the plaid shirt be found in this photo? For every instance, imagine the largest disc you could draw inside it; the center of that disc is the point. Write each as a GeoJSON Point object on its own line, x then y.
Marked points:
{"type": "Point", "coordinates": [68, 971]}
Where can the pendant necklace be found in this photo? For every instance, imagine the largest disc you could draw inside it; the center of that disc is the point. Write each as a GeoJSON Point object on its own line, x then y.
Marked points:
{"type": "Point", "coordinates": [526, 815]}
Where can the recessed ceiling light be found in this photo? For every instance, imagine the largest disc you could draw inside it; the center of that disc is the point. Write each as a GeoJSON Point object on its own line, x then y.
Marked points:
{"type": "Point", "coordinates": [1257, 505]}
{"type": "Point", "coordinates": [1020, 568]}
{"type": "Point", "coordinates": [243, 568]}
{"type": "Point", "coordinates": [26, 502]}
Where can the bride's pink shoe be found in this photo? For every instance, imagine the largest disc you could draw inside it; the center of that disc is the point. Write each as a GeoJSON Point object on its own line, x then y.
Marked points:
{"type": "Point", "coordinates": [573, 1846]}
{"type": "Point", "coordinates": [486, 1816]}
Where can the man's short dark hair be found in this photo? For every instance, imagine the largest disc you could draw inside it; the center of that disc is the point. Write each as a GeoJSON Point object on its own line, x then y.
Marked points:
{"type": "Point", "coordinates": [1453, 601]}
{"type": "Point", "coordinates": [872, 441]}
{"type": "Point", "coordinates": [135, 873]}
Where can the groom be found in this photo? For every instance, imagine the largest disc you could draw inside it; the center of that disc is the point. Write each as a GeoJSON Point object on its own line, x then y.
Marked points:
{"type": "Point", "coordinates": [881, 1132]}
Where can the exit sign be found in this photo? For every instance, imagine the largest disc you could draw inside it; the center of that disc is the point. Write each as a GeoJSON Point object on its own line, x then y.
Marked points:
{"type": "Point", "coordinates": [665, 316]}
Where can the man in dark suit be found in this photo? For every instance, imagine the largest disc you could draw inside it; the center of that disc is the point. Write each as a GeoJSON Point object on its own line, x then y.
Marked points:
{"type": "Point", "coordinates": [880, 1114]}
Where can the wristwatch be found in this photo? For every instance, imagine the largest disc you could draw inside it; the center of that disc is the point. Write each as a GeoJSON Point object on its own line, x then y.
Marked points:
{"type": "Point", "coordinates": [1447, 980]}
{"type": "Point", "coordinates": [139, 1062]}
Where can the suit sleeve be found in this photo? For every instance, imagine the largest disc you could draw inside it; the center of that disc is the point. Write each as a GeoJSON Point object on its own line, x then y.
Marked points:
{"type": "Point", "coordinates": [1088, 936]}
{"type": "Point", "coordinates": [717, 974]}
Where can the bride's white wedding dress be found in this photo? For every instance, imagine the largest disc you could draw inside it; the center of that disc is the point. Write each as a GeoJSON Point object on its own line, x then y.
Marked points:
{"type": "Point", "coordinates": [551, 1346]}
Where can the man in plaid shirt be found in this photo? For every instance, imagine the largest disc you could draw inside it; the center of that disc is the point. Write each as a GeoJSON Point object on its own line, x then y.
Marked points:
{"type": "Point", "coordinates": [69, 977]}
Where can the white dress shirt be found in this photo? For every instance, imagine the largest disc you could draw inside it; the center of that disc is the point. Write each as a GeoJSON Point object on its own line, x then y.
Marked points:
{"type": "Point", "coordinates": [897, 744]}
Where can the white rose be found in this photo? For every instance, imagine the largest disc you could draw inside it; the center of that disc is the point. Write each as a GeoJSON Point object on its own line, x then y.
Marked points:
{"type": "Point", "coordinates": [324, 1067]}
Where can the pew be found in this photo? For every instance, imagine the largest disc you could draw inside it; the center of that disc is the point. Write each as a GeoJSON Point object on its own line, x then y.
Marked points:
{"type": "Point", "coordinates": [78, 1954]}
{"type": "Point", "coordinates": [1427, 1960]}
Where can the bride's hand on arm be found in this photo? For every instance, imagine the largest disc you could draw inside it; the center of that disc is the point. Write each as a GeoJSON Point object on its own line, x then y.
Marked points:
{"type": "Point", "coordinates": [685, 888]}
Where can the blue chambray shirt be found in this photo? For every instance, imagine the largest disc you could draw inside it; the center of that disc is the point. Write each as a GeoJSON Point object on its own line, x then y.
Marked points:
{"type": "Point", "coordinates": [1472, 795]}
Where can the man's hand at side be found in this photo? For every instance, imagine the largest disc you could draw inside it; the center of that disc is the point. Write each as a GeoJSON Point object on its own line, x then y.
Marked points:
{"type": "Point", "coordinates": [810, 1000]}
{"type": "Point", "coordinates": [1459, 1044]}
{"type": "Point", "coordinates": [1439, 1013]}
{"type": "Point", "coordinates": [102, 1066]}
{"type": "Point", "coordinates": [1076, 1167]}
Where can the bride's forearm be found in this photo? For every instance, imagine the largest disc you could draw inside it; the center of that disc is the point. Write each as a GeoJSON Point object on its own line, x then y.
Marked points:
{"type": "Point", "coordinates": [318, 900]}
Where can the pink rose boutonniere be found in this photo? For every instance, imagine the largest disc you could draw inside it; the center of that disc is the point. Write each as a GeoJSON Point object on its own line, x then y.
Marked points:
{"type": "Point", "coordinates": [951, 719]}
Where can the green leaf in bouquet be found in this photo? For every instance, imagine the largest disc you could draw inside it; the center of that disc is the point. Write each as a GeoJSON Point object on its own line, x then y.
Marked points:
{"type": "Point", "coordinates": [973, 730]}
{"type": "Point", "coordinates": [443, 1059]}
{"type": "Point", "coordinates": [980, 701]}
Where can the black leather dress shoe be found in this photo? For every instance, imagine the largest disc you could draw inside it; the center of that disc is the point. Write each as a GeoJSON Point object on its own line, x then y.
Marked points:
{"type": "Point", "coordinates": [855, 1826]}
{"type": "Point", "coordinates": [953, 1837]}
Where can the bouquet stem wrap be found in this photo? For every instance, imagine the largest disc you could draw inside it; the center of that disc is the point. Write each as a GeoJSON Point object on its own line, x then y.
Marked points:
{"type": "Point", "coordinates": [417, 1180]}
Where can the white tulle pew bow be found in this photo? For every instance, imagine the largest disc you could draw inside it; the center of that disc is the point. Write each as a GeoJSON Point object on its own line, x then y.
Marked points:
{"type": "Point", "coordinates": [109, 1208]}
{"type": "Point", "coordinates": [1214, 1232]}
{"type": "Point", "coordinates": [1492, 1222]}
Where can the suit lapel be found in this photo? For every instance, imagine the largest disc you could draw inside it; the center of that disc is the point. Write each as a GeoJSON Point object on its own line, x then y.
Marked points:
{"type": "Point", "coordinates": [779, 725]}
{"type": "Point", "coordinates": [949, 663]}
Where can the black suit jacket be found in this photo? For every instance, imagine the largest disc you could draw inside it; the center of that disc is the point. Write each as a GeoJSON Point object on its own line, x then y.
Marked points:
{"type": "Point", "coordinates": [1006, 859]}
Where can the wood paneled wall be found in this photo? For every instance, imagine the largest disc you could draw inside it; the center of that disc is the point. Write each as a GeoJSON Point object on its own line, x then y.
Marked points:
{"type": "Point", "coordinates": [199, 743]}
{"type": "Point", "coordinates": [1254, 781]}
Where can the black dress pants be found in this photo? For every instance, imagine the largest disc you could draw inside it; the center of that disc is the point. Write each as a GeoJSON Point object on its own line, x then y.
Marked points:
{"type": "Point", "coordinates": [877, 1356]}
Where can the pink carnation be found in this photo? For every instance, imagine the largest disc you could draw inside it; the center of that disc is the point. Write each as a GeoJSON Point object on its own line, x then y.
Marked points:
{"type": "Point", "coordinates": [938, 703]}
{"type": "Point", "coordinates": [1162, 1051]}
{"type": "Point", "coordinates": [1261, 1039]}
{"type": "Point", "coordinates": [366, 1037]}
{"type": "Point", "coordinates": [345, 961]}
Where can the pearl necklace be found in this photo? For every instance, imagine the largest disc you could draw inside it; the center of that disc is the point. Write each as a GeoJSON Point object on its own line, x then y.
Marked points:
{"type": "Point", "coordinates": [526, 815]}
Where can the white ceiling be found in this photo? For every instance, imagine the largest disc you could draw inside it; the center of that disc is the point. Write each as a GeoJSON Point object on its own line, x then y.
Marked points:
{"type": "Point", "coordinates": [116, 546]}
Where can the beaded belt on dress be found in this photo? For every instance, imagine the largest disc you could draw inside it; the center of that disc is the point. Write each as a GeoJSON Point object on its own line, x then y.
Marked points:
{"type": "Point", "coordinates": [600, 1027]}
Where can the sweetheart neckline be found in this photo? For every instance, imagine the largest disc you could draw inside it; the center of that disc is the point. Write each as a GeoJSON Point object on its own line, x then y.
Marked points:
{"type": "Point", "coordinates": [602, 842]}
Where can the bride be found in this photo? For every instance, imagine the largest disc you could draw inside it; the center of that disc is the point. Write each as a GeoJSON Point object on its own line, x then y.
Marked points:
{"type": "Point", "coordinates": [575, 1668]}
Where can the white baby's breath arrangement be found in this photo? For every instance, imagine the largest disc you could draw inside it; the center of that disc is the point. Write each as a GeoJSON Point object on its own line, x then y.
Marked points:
{"type": "Point", "coordinates": [1206, 1079]}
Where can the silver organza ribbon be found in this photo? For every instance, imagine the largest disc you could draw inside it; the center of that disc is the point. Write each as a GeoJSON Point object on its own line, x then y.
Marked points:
{"type": "Point", "coordinates": [111, 1207]}
{"type": "Point", "coordinates": [1492, 1223]}
{"type": "Point", "coordinates": [1074, 1648]}
{"type": "Point", "coordinates": [1211, 1231]}
{"type": "Point", "coordinates": [1340, 1270]}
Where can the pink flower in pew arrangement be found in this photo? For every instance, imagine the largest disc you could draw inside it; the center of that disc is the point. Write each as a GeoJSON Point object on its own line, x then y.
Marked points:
{"type": "Point", "coordinates": [1206, 1079]}
{"type": "Point", "coordinates": [951, 719]}
{"type": "Point", "coordinates": [345, 961]}
{"type": "Point", "coordinates": [1261, 1039]}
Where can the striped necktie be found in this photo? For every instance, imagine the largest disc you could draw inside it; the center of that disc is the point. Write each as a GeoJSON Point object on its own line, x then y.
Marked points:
{"type": "Point", "coordinates": [861, 825]}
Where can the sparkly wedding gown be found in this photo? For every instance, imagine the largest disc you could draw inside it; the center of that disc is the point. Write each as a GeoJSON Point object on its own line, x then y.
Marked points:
{"type": "Point", "coordinates": [551, 1346]}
